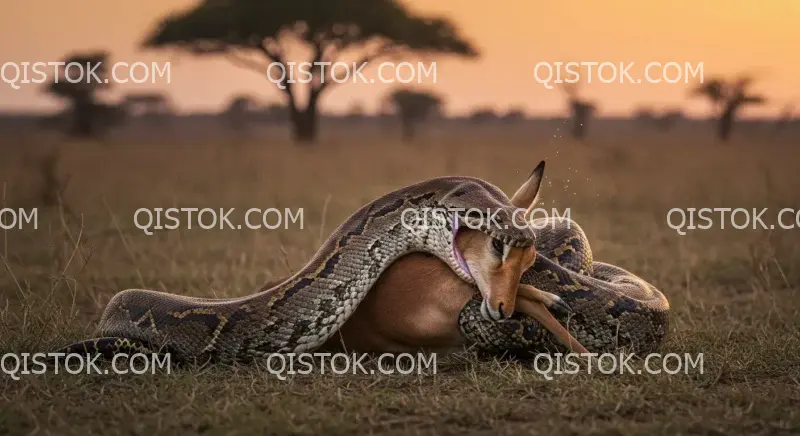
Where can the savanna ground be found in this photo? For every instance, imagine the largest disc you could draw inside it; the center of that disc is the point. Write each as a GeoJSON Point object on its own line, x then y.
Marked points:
{"type": "Point", "coordinates": [733, 293]}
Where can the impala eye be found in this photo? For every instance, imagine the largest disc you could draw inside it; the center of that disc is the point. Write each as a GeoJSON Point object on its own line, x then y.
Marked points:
{"type": "Point", "coordinates": [498, 247]}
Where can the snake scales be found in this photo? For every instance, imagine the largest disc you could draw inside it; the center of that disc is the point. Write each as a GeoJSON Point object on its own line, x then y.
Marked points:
{"type": "Point", "coordinates": [302, 312]}
{"type": "Point", "coordinates": [610, 307]}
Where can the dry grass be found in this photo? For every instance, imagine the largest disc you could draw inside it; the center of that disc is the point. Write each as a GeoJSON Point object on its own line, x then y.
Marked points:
{"type": "Point", "coordinates": [734, 293]}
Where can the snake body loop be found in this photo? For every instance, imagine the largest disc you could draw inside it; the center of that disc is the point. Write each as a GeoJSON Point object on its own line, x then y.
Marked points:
{"type": "Point", "coordinates": [301, 313]}
{"type": "Point", "coordinates": [612, 309]}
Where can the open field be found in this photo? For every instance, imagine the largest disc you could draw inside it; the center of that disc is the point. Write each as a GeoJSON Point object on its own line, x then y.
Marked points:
{"type": "Point", "coordinates": [734, 293]}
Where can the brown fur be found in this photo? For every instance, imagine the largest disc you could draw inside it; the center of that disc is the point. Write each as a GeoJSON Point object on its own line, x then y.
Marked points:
{"type": "Point", "coordinates": [416, 302]}
{"type": "Point", "coordinates": [400, 313]}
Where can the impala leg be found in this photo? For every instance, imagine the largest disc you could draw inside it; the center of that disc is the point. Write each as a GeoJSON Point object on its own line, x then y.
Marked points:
{"type": "Point", "coordinates": [529, 302]}
{"type": "Point", "coordinates": [551, 301]}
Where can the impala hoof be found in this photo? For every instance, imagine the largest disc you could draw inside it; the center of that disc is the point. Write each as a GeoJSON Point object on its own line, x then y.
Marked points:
{"type": "Point", "coordinates": [558, 306]}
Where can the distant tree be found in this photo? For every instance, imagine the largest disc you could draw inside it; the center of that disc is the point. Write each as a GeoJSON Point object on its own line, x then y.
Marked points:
{"type": "Point", "coordinates": [356, 112]}
{"type": "Point", "coordinates": [386, 116]}
{"type": "Point", "coordinates": [413, 107]}
{"type": "Point", "coordinates": [58, 121]}
{"type": "Point", "coordinates": [668, 119]}
{"type": "Point", "coordinates": [581, 111]}
{"type": "Point", "coordinates": [146, 103]}
{"type": "Point", "coordinates": [152, 106]}
{"type": "Point", "coordinates": [240, 112]}
{"type": "Point", "coordinates": [514, 115]}
{"type": "Point", "coordinates": [80, 89]}
{"type": "Point", "coordinates": [644, 115]}
{"type": "Point", "coordinates": [275, 113]}
{"type": "Point", "coordinates": [328, 28]}
{"type": "Point", "coordinates": [727, 97]}
{"type": "Point", "coordinates": [109, 115]}
{"type": "Point", "coordinates": [483, 115]}
{"type": "Point", "coordinates": [786, 116]}
{"type": "Point", "coordinates": [663, 121]}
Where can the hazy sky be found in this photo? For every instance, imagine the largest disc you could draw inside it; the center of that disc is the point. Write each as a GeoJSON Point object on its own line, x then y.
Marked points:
{"type": "Point", "coordinates": [727, 36]}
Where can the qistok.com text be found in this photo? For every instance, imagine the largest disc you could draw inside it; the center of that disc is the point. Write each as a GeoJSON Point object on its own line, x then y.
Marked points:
{"type": "Point", "coordinates": [549, 365]}
{"type": "Point", "coordinates": [173, 218]}
{"type": "Point", "coordinates": [738, 218]}
{"type": "Point", "coordinates": [26, 364]}
{"type": "Point", "coordinates": [425, 218]}
{"type": "Point", "coordinates": [18, 219]}
{"type": "Point", "coordinates": [25, 73]}
{"type": "Point", "coordinates": [281, 365]}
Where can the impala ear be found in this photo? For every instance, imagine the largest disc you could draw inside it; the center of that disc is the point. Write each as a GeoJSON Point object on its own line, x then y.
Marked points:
{"type": "Point", "coordinates": [528, 193]}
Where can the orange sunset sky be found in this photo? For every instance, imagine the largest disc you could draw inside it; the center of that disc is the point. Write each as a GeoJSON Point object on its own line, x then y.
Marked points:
{"type": "Point", "coordinates": [729, 36]}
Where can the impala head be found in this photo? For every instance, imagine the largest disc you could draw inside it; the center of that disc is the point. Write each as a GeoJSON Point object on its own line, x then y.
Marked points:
{"type": "Point", "coordinates": [495, 263]}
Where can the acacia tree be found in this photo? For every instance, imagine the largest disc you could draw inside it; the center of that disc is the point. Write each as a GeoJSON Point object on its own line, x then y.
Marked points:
{"type": "Point", "coordinates": [727, 97]}
{"type": "Point", "coordinates": [80, 89]}
{"type": "Point", "coordinates": [330, 29]}
{"type": "Point", "coordinates": [413, 107]}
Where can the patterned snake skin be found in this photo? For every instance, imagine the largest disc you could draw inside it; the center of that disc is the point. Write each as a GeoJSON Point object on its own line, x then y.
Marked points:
{"type": "Point", "coordinates": [611, 308]}
{"type": "Point", "coordinates": [301, 313]}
